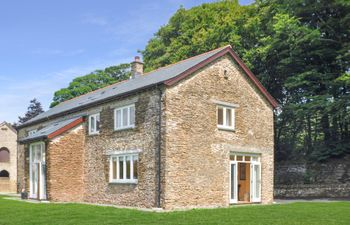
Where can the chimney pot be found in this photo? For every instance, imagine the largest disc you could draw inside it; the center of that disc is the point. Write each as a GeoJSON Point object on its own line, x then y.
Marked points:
{"type": "Point", "coordinates": [136, 67]}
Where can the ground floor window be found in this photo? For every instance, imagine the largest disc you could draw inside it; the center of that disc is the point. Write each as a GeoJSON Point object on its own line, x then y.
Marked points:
{"type": "Point", "coordinates": [124, 168]}
{"type": "Point", "coordinates": [4, 173]}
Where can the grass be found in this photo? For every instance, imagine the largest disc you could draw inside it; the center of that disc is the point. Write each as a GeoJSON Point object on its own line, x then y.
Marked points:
{"type": "Point", "coordinates": [16, 212]}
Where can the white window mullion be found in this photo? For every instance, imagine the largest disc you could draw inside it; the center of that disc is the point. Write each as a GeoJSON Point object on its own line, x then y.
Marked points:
{"type": "Point", "coordinates": [233, 118]}
{"type": "Point", "coordinates": [132, 167]}
{"type": "Point", "coordinates": [224, 116]}
{"type": "Point", "coordinates": [111, 169]}
{"type": "Point", "coordinates": [118, 168]}
{"type": "Point", "coordinates": [124, 168]}
{"type": "Point", "coordinates": [129, 110]}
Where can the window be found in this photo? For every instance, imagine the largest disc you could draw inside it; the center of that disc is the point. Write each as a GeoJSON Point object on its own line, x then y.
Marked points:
{"type": "Point", "coordinates": [4, 173]}
{"type": "Point", "coordinates": [226, 117]}
{"type": "Point", "coordinates": [4, 155]}
{"type": "Point", "coordinates": [32, 132]}
{"type": "Point", "coordinates": [123, 168]}
{"type": "Point", "coordinates": [94, 124]}
{"type": "Point", "coordinates": [124, 117]}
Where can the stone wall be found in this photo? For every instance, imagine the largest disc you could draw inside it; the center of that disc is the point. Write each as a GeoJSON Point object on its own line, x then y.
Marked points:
{"type": "Point", "coordinates": [8, 140]}
{"type": "Point", "coordinates": [330, 179]}
{"type": "Point", "coordinates": [143, 137]}
{"type": "Point", "coordinates": [196, 152]}
{"type": "Point", "coordinates": [65, 166]}
{"type": "Point", "coordinates": [72, 149]}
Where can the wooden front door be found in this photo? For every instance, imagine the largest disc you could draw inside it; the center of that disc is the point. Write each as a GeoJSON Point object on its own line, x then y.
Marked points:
{"type": "Point", "coordinates": [244, 182]}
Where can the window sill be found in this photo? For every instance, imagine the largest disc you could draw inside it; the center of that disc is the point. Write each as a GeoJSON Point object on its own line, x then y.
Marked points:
{"type": "Point", "coordinates": [124, 128]}
{"type": "Point", "coordinates": [94, 134]}
{"type": "Point", "coordinates": [226, 128]}
{"type": "Point", "coordinates": [123, 182]}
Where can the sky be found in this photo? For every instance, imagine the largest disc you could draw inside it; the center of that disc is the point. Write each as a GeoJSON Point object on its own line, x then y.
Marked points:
{"type": "Point", "coordinates": [45, 44]}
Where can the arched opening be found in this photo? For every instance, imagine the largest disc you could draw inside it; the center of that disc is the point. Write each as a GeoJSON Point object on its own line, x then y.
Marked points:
{"type": "Point", "coordinates": [5, 174]}
{"type": "Point", "coordinates": [4, 155]}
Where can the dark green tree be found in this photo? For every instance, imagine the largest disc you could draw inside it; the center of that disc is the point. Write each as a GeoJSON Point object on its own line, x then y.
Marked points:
{"type": "Point", "coordinates": [34, 109]}
{"type": "Point", "coordinates": [298, 49]}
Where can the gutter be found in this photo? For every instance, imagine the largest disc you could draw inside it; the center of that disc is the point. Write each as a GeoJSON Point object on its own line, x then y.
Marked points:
{"type": "Point", "coordinates": [159, 147]}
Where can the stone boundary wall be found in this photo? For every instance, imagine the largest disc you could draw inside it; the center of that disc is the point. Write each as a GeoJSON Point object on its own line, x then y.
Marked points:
{"type": "Point", "coordinates": [312, 191]}
{"type": "Point", "coordinates": [329, 179]}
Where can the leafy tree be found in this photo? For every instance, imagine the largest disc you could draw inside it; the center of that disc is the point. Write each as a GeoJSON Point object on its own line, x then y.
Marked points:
{"type": "Point", "coordinates": [34, 109]}
{"type": "Point", "coordinates": [90, 82]}
{"type": "Point", "coordinates": [298, 49]}
{"type": "Point", "coordinates": [194, 31]}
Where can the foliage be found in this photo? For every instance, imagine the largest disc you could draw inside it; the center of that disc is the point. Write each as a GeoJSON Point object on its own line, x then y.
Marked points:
{"type": "Point", "coordinates": [90, 82]}
{"type": "Point", "coordinates": [15, 212]}
{"type": "Point", "coordinates": [298, 49]}
{"type": "Point", "coordinates": [34, 109]}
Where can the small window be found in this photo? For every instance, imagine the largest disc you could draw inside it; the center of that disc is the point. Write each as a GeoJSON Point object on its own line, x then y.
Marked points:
{"type": "Point", "coordinates": [4, 155]}
{"type": "Point", "coordinates": [32, 132]}
{"type": "Point", "coordinates": [123, 168]}
{"type": "Point", "coordinates": [94, 124]}
{"type": "Point", "coordinates": [5, 174]}
{"type": "Point", "coordinates": [226, 118]}
{"type": "Point", "coordinates": [124, 117]}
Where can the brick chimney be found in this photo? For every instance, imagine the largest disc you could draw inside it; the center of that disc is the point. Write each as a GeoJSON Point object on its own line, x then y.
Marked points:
{"type": "Point", "coordinates": [136, 67]}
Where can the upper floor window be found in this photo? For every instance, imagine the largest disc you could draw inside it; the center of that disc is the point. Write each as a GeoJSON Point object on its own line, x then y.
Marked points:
{"type": "Point", "coordinates": [4, 155]}
{"type": "Point", "coordinates": [226, 117]}
{"type": "Point", "coordinates": [124, 117]}
{"type": "Point", "coordinates": [123, 168]}
{"type": "Point", "coordinates": [94, 123]}
{"type": "Point", "coordinates": [32, 132]}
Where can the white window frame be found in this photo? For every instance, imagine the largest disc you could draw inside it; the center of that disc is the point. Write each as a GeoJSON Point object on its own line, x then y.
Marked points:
{"type": "Point", "coordinates": [115, 157]}
{"type": "Point", "coordinates": [41, 176]}
{"type": "Point", "coordinates": [225, 126]}
{"type": "Point", "coordinates": [32, 132]}
{"type": "Point", "coordinates": [95, 116]}
{"type": "Point", "coordinates": [129, 125]}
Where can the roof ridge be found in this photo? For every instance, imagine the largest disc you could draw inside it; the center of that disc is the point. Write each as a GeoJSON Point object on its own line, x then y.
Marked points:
{"type": "Point", "coordinates": [223, 47]}
{"type": "Point", "coordinates": [145, 74]}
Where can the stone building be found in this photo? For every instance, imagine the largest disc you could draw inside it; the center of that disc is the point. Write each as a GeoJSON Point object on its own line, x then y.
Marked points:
{"type": "Point", "coordinates": [197, 133]}
{"type": "Point", "coordinates": [8, 158]}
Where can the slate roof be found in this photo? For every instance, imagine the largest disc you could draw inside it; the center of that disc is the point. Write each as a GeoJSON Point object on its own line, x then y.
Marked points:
{"type": "Point", "coordinates": [48, 130]}
{"type": "Point", "coordinates": [167, 75]}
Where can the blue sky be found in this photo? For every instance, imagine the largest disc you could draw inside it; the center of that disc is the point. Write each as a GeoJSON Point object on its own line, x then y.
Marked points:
{"type": "Point", "coordinates": [45, 44]}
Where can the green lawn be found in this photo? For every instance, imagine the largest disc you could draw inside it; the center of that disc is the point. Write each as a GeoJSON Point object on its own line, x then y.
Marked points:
{"type": "Point", "coordinates": [16, 212]}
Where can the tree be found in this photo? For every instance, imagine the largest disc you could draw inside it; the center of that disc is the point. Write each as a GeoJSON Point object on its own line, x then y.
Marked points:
{"type": "Point", "coordinates": [90, 82]}
{"type": "Point", "coordinates": [33, 110]}
{"type": "Point", "coordinates": [197, 30]}
{"type": "Point", "coordinates": [298, 49]}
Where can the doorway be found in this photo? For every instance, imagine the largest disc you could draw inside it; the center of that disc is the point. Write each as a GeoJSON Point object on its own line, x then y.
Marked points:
{"type": "Point", "coordinates": [245, 178]}
{"type": "Point", "coordinates": [36, 171]}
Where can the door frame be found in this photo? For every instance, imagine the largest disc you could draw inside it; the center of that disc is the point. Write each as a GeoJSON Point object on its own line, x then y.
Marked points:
{"type": "Point", "coordinates": [255, 159]}
{"type": "Point", "coordinates": [41, 172]}
{"type": "Point", "coordinates": [234, 200]}
{"type": "Point", "coordinates": [253, 198]}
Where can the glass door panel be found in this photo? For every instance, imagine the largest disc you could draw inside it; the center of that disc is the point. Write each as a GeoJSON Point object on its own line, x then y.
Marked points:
{"type": "Point", "coordinates": [255, 187]}
{"type": "Point", "coordinates": [233, 182]}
